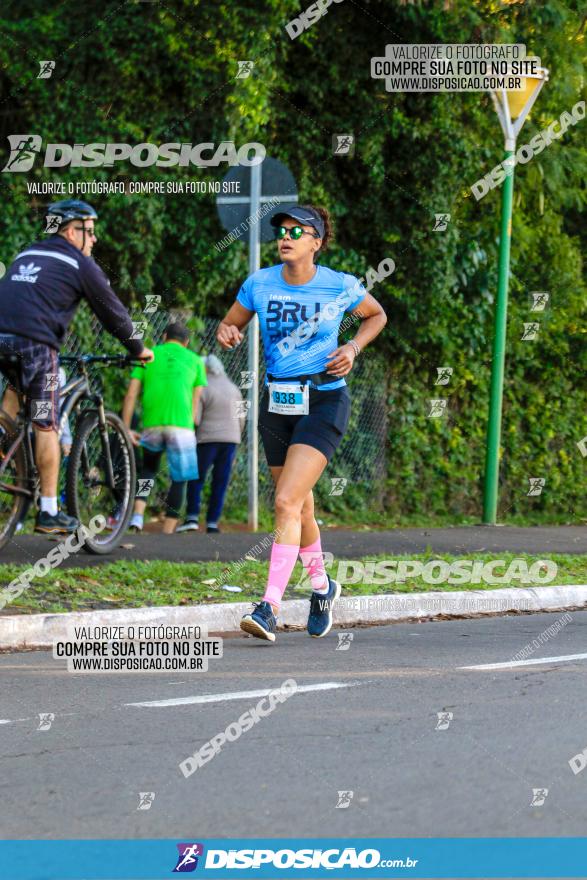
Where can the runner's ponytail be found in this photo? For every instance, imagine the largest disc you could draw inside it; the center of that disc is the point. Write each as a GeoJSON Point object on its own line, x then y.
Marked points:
{"type": "Point", "coordinates": [328, 228]}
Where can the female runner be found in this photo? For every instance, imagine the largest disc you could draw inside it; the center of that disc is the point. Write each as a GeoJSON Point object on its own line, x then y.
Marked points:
{"type": "Point", "coordinates": [305, 410]}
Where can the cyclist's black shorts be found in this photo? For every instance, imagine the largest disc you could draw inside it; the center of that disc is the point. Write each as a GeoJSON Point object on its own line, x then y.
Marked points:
{"type": "Point", "coordinates": [38, 369]}
{"type": "Point", "coordinates": [323, 427]}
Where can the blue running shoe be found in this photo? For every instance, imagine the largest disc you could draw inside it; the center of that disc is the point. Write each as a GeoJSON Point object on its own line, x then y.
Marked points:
{"type": "Point", "coordinates": [320, 617]}
{"type": "Point", "coordinates": [261, 622]}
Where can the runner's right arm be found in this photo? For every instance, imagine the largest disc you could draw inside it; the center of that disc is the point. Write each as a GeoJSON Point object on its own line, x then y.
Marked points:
{"type": "Point", "coordinates": [229, 331]}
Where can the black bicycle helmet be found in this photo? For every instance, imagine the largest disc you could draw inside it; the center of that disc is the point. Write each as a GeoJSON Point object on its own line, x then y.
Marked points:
{"type": "Point", "coordinates": [72, 209]}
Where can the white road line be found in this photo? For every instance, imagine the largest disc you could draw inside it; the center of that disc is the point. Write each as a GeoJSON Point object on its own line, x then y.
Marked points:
{"type": "Point", "coordinates": [240, 695]}
{"type": "Point", "coordinates": [536, 662]}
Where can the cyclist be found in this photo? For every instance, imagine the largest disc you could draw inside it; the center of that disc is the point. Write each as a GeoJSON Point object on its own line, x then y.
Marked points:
{"type": "Point", "coordinates": [38, 298]}
{"type": "Point", "coordinates": [306, 408]}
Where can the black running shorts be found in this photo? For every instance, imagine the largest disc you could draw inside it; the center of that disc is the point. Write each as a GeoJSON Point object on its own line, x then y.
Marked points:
{"type": "Point", "coordinates": [323, 427]}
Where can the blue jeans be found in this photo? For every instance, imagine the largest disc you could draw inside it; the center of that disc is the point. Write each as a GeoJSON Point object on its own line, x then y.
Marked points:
{"type": "Point", "coordinates": [220, 457]}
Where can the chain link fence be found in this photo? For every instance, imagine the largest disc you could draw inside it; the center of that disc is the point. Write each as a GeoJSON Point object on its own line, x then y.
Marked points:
{"type": "Point", "coordinates": [357, 472]}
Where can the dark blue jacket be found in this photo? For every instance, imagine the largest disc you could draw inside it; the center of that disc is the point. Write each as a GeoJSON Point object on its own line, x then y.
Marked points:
{"type": "Point", "coordinates": [42, 288]}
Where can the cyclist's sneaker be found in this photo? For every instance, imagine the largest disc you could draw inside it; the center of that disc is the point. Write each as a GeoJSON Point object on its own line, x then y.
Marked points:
{"type": "Point", "coordinates": [261, 622]}
{"type": "Point", "coordinates": [60, 524]}
{"type": "Point", "coordinates": [190, 525]}
{"type": "Point", "coordinates": [320, 617]}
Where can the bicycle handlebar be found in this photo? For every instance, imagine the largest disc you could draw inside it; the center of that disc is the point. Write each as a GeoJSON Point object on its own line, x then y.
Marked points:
{"type": "Point", "coordinates": [120, 360]}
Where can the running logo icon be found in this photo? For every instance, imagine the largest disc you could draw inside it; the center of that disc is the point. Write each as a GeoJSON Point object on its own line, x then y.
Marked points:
{"type": "Point", "coordinates": [441, 222]}
{"type": "Point", "coordinates": [305, 582]}
{"type": "Point", "coordinates": [245, 68]}
{"type": "Point", "coordinates": [41, 409]}
{"type": "Point", "coordinates": [343, 144]}
{"type": "Point", "coordinates": [240, 408]}
{"type": "Point", "coordinates": [146, 799]}
{"type": "Point", "coordinates": [188, 857]}
{"type": "Point", "coordinates": [344, 641]}
{"type": "Point", "coordinates": [144, 487]}
{"type": "Point", "coordinates": [437, 408]}
{"type": "Point", "coordinates": [153, 301]}
{"type": "Point", "coordinates": [537, 484]}
{"type": "Point", "coordinates": [444, 719]}
{"type": "Point", "coordinates": [338, 485]}
{"type": "Point", "coordinates": [46, 719]}
{"type": "Point", "coordinates": [24, 148]}
{"type": "Point", "coordinates": [530, 331]}
{"type": "Point", "coordinates": [47, 68]}
{"type": "Point", "coordinates": [51, 381]}
{"type": "Point", "coordinates": [139, 328]}
{"type": "Point", "coordinates": [444, 374]}
{"type": "Point", "coordinates": [52, 223]}
{"type": "Point", "coordinates": [539, 300]}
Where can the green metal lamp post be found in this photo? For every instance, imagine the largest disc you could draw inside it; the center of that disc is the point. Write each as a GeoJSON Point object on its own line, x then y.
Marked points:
{"type": "Point", "coordinates": [512, 109]}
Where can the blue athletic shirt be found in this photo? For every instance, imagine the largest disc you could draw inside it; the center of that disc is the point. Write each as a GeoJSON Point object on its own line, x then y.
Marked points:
{"type": "Point", "coordinates": [300, 322]}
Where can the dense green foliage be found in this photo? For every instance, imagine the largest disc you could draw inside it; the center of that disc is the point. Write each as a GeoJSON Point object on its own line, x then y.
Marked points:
{"type": "Point", "coordinates": [166, 72]}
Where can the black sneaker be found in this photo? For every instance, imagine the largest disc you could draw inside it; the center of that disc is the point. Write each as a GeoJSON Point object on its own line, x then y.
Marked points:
{"type": "Point", "coordinates": [213, 530]}
{"type": "Point", "coordinates": [320, 617]}
{"type": "Point", "coordinates": [261, 622]}
{"type": "Point", "coordinates": [61, 524]}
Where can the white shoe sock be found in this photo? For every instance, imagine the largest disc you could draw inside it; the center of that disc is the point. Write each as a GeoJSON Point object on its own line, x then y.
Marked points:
{"type": "Point", "coordinates": [49, 505]}
{"type": "Point", "coordinates": [324, 590]}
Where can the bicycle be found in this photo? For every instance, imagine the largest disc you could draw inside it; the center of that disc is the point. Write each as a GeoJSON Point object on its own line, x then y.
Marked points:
{"type": "Point", "coordinates": [101, 470]}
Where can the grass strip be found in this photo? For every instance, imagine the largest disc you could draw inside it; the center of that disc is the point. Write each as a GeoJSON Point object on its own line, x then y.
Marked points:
{"type": "Point", "coordinates": [134, 584]}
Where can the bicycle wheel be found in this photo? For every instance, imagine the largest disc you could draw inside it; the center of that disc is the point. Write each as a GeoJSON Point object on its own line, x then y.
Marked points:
{"type": "Point", "coordinates": [13, 472]}
{"type": "Point", "coordinates": [88, 491]}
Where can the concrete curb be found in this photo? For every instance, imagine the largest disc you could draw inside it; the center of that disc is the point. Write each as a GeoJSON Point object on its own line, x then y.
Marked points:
{"type": "Point", "coordinates": [41, 630]}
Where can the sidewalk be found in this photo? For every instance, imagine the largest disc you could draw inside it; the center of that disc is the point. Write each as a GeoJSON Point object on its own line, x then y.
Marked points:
{"type": "Point", "coordinates": [41, 630]}
{"type": "Point", "coordinates": [343, 543]}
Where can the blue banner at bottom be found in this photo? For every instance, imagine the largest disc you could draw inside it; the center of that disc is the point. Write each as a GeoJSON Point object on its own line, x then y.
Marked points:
{"type": "Point", "coordinates": [286, 858]}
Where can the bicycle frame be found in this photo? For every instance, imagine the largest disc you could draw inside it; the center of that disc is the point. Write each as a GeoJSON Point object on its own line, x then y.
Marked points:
{"type": "Point", "coordinates": [74, 391]}
{"type": "Point", "coordinates": [29, 461]}
{"type": "Point", "coordinates": [79, 389]}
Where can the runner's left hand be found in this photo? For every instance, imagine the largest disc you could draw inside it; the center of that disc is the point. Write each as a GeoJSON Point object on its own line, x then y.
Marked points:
{"type": "Point", "coordinates": [341, 360]}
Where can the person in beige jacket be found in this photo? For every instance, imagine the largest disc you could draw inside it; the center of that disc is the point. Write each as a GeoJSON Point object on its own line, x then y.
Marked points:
{"type": "Point", "coordinates": [220, 420]}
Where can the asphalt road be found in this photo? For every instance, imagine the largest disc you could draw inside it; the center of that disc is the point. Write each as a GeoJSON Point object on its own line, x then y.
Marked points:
{"type": "Point", "coordinates": [513, 730]}
{"type": "Point", "coordinates": [345, 544]}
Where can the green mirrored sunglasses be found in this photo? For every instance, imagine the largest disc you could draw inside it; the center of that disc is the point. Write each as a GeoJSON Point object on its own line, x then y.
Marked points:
{"type": "Point", "coordinates": [295, 232]}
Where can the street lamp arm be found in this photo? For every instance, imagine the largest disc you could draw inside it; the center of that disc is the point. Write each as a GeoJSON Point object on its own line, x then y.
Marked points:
{"type": "Point", "coordinates": [511, 128]}
{"type": "Point", "coordinates": [505, 120]}
{"type": "Point", "coordinates": [530, 103]}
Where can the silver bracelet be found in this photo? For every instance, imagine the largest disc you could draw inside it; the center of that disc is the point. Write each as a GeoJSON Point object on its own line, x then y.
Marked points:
{"type": "Point", "coordinates": [355, 346]}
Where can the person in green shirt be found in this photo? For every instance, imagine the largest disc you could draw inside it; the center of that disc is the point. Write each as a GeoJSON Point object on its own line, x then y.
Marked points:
{"type": "Point", "coordinates": [171, 385]}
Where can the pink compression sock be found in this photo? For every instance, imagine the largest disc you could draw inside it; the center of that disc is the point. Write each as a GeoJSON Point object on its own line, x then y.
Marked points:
{"type": "Point", "coordinates": [281, 565]}
{"type": "Point", "coordinates": [313, 562]}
